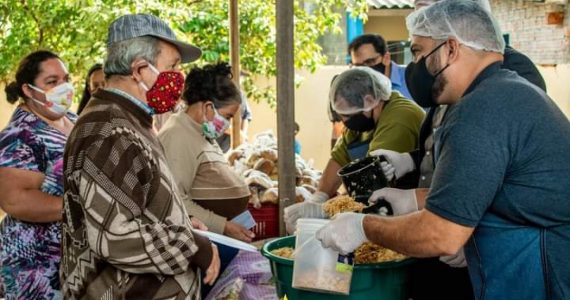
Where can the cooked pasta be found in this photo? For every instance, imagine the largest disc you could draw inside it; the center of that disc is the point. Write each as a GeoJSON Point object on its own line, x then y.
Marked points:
{"type": "Point", "coordinates": [342, 204]}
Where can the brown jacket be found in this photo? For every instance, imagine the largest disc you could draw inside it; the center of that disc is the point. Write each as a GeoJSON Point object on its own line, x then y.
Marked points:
{"type": "Point", "coordinates": [126, 233]}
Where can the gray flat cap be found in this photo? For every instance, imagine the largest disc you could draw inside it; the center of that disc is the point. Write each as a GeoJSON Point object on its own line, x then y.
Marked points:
{"type": "Point", "coordinates": [132, 26]}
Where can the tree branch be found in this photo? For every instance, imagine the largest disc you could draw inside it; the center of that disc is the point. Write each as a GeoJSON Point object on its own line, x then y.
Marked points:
{"type": "Point", "coordinates": [40, 29]}
{"type": "Point", "coordinates": [194, 2]}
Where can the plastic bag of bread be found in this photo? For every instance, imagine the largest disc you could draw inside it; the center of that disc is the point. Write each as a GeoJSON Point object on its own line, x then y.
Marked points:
{"type": "Point", "coordinates": [240, 167]}
{"type": "Point", "coordinates": [258, 178]}
{"type": "Point", "coordinates": [300, 165]}
{"type": "Point", "coordinates": [254, 197]}
{"type": "Point", "coordinates": [253, 158]}
{"type": "Point", "coordinates": [234, 155]}
{"type": "Point", "coordinates": [264, 165]}
{"type": "Point", "coordinates": [298, 172]}
{"type": "Point", "coordinates": [310, 188]}
{"type": "Point", "coordinates": [265, 139]}
{"type": "Point", "coordinates": [270, 196]}
{"type": "Point", "coordinates": [312, 173]}
{"type": "Point", "coordinates": [269, 154]}
{"type": "Point", "coordinates": [309, 181]}
{"type": "Point", "coordinates": [301, 194]}
{"type": "Point", "coordinates": [275, 174]}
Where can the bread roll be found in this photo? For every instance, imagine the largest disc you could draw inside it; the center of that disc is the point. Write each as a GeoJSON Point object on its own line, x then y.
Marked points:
{"type": "Point", "coordinates": [270, 196]}
{"type": "Point", "coordinates": [301, 194]}
{"type": "Point", "coordinates": [254, 197]}
{"type": "Point", "coordinates": [264, 165]}
{"type": "Point", "coordinates": [234, 155]}
{"type": "Point", "coordinates": [269, 154]}
{"type": "Point", "coordinates": [253, 158]}
{"type": "Point", "coordinates": [260, 179]}
{"type": "Point", "coordinates": [309, 181]}
{"type": "Point", "coordinates": [310, 188]}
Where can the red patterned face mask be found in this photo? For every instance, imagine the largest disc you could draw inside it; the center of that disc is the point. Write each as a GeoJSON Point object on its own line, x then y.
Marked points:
{"type": "Point", "coordinates": [165, 91]}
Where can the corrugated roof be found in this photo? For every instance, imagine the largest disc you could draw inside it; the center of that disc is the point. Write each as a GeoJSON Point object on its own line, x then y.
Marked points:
{"type": "Point", "coordinates": [378, 4]}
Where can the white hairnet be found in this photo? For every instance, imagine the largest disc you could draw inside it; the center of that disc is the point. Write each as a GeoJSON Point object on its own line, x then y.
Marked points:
{"type": "Point", "coordinates": [421, 3]}
{"type": "Point", "coordinates": [466, 20]}
{"type": "Point", "coordinates": [354, 85]}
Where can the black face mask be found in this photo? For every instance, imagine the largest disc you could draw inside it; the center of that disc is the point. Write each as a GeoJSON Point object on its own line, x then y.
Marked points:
{"type": "Point", "coordinates": [420, 81]}
{"type": "Point", "coordinates": [380, 68]}
{"type": "Point", "coordinates": [360, 123]}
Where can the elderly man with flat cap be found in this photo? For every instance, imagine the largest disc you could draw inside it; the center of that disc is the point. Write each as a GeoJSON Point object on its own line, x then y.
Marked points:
{"type": "Point", "coordinates": [126, 232]}
{"type": "Point", "coordinates": [500, 188]}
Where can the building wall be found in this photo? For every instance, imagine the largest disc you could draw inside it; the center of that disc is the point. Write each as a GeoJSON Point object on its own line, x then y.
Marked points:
{"type": "Point", "coordinates": [547, 45]}
{"type": "Point", "coordinates": [391, 28]}
{"type": "Point", "coordinates": [525, 22]}
{"type": "Point", "coordinates": [311, 100]}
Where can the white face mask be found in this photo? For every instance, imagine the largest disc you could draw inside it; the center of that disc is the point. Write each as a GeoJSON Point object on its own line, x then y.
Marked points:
{"type": "Point", "coordinates": [58, 99]}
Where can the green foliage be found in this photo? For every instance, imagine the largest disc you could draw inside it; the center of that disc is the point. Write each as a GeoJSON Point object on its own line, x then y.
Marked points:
{"type": "Point", "coordinates": [77, 29]}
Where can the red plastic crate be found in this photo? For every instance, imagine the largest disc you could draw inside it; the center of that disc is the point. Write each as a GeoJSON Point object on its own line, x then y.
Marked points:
{"type": "Point", "coordinates": [267, 220]}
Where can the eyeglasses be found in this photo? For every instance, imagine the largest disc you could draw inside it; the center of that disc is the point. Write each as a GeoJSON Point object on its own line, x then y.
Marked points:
{"type": "Point", "coordinates": [368, 62]}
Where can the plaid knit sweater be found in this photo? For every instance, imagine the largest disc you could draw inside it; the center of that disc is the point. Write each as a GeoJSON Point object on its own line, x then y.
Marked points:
{"type": "Point", "coordinates": [126, 233]}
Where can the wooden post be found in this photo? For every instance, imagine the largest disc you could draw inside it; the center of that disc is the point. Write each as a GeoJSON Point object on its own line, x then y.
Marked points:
{"type": "Point", "coordinates": [234, 59]}
{"type": "Point", "coordinates": [285, 106]}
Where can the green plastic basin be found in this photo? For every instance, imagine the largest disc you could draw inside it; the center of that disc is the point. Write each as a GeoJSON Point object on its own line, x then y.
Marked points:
{"type": "Point", "coordinates": [384, 281]}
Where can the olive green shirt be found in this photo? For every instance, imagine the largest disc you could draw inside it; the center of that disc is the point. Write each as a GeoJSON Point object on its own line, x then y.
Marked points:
{"type": "Point", "coordinates": [398, 129]}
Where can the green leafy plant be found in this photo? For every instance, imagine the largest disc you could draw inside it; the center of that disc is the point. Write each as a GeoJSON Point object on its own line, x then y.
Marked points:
{"type": "Point", "coordinates": [77, 31]}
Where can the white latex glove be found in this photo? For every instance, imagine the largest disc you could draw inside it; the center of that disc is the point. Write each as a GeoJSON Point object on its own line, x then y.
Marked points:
{"type": "Point", "coordinates": [297, 211]}
{"type": "Point", "coordinates": [344, 233]}
{"type": "Point", "coordinates": [455, 261]}
{"type": "Point", "coordinates": [319, 197]}
{"type": "Point", "coordinates": [403, 201]}
{"type": "Point", "coordinates": [388, 170]}
{"type": "Point", "coordinates": [402, 162]}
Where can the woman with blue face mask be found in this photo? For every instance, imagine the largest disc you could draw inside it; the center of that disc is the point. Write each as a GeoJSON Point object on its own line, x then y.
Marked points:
{"type": "Point", "coordinates": [213, 192]}
{"type": "Point", "coordinates": [31, 171]}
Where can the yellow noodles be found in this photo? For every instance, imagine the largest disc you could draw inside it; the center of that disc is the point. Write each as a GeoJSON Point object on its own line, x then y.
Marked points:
{"type": "Point", "coordinates": [369, 253]}
{"type": "Point", "coordinates": [286, 252]}
{"type": "Point", "coordinates": [342, 204]}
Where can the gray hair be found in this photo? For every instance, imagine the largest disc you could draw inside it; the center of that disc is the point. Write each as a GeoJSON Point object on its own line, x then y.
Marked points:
{"type": "Point", "coordinates": [354, 85]}
{"type": "Point", "coordinates": [120, 55]}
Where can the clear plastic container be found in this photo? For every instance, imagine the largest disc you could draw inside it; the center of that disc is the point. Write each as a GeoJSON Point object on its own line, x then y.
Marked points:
{"type": "Point", "coordinates": [315, 267]}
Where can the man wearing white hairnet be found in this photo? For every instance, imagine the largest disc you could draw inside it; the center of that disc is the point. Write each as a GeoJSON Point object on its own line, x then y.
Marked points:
{"type": "Point", "coordinates": [503, 170]}
{"type": "Point", "coordinates": [513, 60]}
{"type": "Point", "coordinates": [375, 118]}
{"type": "Point", "coordinates": [428, 275]}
